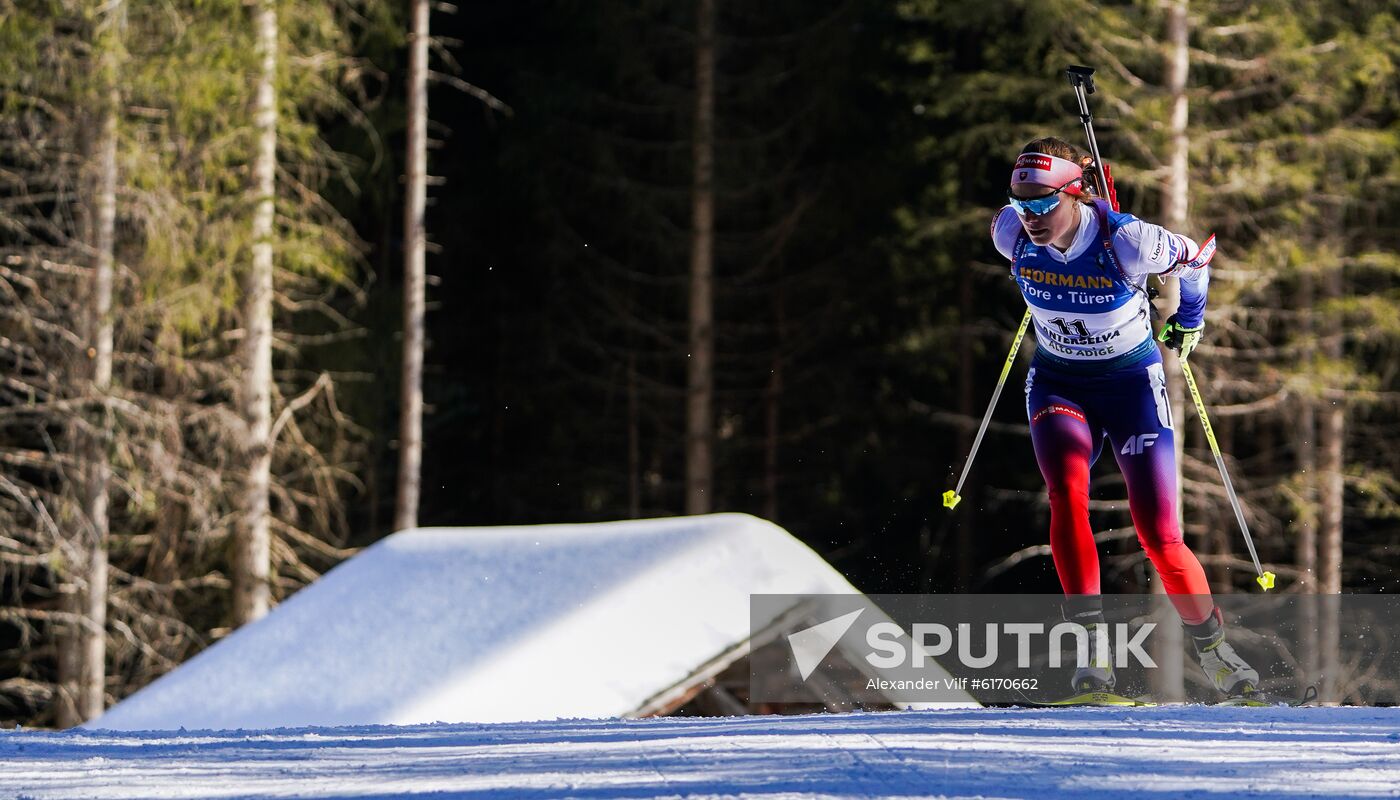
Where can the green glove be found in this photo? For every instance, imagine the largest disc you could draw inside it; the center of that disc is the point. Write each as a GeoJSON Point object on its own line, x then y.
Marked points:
{"type": "Point", "coordinates": [1179, 337]}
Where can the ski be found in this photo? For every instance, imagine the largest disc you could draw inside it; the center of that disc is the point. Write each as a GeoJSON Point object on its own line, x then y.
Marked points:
{"type": "Point", "coordinates": [1264, 700]}
{"type": "Point", "coordinates": [1108, 699]}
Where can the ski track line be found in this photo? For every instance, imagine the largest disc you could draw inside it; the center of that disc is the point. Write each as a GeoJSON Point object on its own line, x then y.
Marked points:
{"type": "Point", "coordinates": [1150, 753]}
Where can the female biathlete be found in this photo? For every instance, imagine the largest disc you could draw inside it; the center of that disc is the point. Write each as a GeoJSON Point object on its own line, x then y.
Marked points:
{"type": "Point", "coordinates": [1082, 268]}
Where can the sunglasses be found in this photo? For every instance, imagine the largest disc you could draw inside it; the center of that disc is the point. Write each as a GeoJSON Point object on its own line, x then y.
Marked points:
{"type": "Point", "coordinates": [1039, 206]}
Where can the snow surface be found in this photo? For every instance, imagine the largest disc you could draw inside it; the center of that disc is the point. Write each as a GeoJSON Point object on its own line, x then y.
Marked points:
{"type": "Point", "coordinates": [490, 624]}
{"type": "Point", "coordinates": [1043, 753]}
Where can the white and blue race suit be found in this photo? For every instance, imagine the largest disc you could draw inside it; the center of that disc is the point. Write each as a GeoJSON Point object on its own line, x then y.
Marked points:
{"type": "Point", "coordinates": [1089, 304]}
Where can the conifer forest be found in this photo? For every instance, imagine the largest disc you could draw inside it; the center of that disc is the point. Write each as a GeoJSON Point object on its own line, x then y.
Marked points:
{"type": "Point", "coordinates": [278, 279]}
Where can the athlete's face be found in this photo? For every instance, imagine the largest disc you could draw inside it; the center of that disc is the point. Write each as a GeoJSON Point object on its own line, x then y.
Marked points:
{"type": "Point", "coordinates": [1052, 225]}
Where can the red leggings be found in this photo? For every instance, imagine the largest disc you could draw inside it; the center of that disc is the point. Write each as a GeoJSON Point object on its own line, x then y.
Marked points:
{"type": "Point", "coordinates": [1069, 421]}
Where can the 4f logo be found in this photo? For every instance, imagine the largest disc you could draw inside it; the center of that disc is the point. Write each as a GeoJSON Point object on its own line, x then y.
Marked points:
{"type": "Point", "coordinates": [1136, 444]}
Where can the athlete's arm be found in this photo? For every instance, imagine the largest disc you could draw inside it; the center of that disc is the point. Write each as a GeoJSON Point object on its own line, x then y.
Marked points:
{"type": "Point", "coordinates": [1146, 249]}
{"type": "Point", "coordinates": [1006, 226]}
{"type": "Point", "coordinates": [1195, 280]}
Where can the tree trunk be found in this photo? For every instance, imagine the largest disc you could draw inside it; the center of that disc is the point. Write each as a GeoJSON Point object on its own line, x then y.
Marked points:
{"type": "Point", "coordinates": [1305, 526]}
{"type": "Point", "coordinates": [1305, 441]}
{"type": "Point", "coordinates": [1331, 434]}
{"type": "Point", "coordinates": [1331, 439]}
{"type": "Point", "coordinates": [773, 400]}
{"type": "Point", "coordinates": [83, 644]}
{"type": "Point", "coordinates": [1305, 546]}
{"type": "Point", "coordinates": [1332, 447]}
{"type": "Point", "coordinates": [252, 546]}
{"type": "Point", "coordinates": [91, 697]}
{"type": "Point", "coordinates": [1169, 680]}
{"type": "Point", "coordinates": [414, 277]}
{"type": "Point", "coordinates": [700, 383]}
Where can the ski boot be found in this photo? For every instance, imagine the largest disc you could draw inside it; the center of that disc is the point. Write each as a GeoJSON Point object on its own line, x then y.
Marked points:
{"type": "Point", "coordinates": [1096, 675]}
{"type": "Point", "coordinates": [1223, 666]}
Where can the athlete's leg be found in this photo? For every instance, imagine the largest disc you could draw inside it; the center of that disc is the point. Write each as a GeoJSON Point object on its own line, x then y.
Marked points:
{"type": "Point", "coordinates": [1066, 445]}
{"type": "Point", "coordinates": [1138, 418]}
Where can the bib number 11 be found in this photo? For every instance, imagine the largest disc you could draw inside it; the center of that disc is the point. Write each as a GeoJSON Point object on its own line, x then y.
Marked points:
{"type": "Point", "coordinates": [1079, 328]}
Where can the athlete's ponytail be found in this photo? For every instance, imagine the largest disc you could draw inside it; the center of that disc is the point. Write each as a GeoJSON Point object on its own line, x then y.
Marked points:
{"type": "Point", "coordinates": [1055, 146]}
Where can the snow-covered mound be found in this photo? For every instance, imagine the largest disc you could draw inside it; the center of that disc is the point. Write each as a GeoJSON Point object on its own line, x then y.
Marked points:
{"type": "Point", "coordinates": [1045, 754]}
{"type": "Point", "coordinates": [490, 624]}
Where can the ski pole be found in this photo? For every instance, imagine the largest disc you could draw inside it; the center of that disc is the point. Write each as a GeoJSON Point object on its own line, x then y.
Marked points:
{"type": "Point", "coordinates": [1082, 79]}
{"type": "Point", "coordinates": [1265, 579]}
{"type": "Point", "coordinates": [953, 496]}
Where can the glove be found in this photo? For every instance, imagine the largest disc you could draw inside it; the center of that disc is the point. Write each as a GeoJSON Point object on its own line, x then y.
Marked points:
{"type": "Point", "coordinates": [1179, 337]}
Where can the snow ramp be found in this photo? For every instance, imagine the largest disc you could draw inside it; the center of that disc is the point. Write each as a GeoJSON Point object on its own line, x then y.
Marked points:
{"type": "Point", "coordinates": [490, 624]}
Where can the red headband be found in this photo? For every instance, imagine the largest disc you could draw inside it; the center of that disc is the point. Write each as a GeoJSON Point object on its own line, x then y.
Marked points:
{"type": "Point", "coordinates": [1048, 170]}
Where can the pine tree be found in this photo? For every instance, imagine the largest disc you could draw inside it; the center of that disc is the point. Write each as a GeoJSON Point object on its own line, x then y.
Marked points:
{"type": "Point", "coordinates": [139, 195]}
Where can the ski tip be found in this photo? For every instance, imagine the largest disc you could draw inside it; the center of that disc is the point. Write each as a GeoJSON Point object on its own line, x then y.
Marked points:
{"type": "Point", "coordinates": [951, 499]}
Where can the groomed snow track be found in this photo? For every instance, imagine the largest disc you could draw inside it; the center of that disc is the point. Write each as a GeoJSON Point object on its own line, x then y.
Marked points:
{"type": "Point", "coordinates": [1042, 753]}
